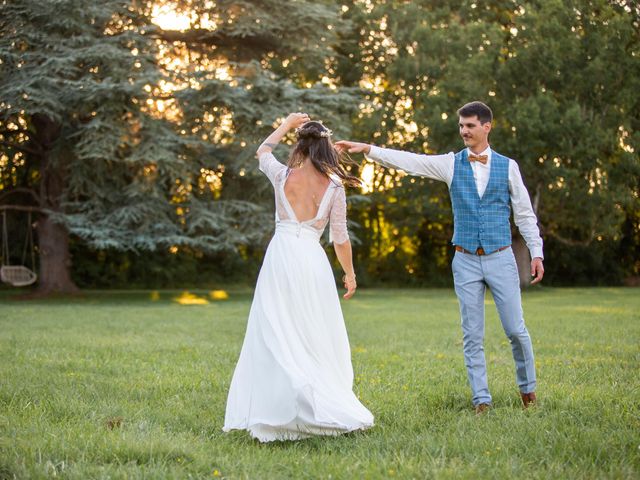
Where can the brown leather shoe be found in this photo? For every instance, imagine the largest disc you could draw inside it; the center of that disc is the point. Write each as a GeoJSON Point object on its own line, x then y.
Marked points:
{"type": "Point", "coordinates": [528, 399]}
{"type": "Point", "coordinates": [482, 408]}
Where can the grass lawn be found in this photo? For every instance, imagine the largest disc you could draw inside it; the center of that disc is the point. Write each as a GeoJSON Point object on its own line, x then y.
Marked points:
{"type": "Point", "coordinates": [133, 385]}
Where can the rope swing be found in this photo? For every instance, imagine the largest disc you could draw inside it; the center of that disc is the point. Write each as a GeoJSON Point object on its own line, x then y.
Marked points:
{"type": "Point", "coordinates": [17, 275]}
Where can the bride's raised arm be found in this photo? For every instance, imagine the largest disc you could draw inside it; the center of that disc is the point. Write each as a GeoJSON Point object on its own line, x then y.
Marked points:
{"type": "Point", "coordinates": [294, 120]}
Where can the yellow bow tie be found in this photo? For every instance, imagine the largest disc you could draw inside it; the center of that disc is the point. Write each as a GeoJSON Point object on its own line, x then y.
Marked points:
{"type": "Point", "coordinates": [478, 158]}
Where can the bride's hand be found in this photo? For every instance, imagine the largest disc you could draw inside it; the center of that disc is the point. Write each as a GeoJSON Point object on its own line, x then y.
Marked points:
{"type": "Point", "coordinates": [352, 147]}
{"type": "Point", "coordinates": [294, 120]}
{"type": "Point", "coordinates": [350, 284]}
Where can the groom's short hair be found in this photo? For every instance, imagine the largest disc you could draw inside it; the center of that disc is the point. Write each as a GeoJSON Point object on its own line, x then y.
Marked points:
{"type": "Point", "coordinates": [477, 109]}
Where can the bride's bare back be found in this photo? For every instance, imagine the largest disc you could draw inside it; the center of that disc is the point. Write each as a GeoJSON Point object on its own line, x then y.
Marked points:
{"type": "Point", "coordinates": [305, 189]}
{"type": "Point", "coordinates": [294, 195]}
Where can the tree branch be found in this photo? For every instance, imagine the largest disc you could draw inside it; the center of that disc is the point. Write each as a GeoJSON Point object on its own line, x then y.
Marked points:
{"type": "Point", "coordinates": [21, 190]}
{"type": "Point", "coordinates": [22, 208]}
{"type": "Point", "coordinates": [569, 241]}
{"type": "Point", "coordinates": [203, 36]}
{"type": "Point", "coordinates": [6, 131]}
{"type": "Point", "coordinates": [20, 147]}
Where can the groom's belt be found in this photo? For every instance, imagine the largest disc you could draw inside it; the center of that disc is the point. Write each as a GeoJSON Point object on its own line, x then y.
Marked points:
{"type": "Point", "coordinates": [479, 251]}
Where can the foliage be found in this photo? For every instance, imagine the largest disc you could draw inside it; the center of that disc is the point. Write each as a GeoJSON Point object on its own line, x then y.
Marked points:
{"type": "Point", "coordinates": [136, 137]}
{"type": "Point", "coordinates": [147, 134]}
{"type": "Point", "coordinates": [562, 78]}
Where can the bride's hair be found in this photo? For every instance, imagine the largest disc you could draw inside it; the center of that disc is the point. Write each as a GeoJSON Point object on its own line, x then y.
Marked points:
{"type": "Point", "coordinates": [314, 143]}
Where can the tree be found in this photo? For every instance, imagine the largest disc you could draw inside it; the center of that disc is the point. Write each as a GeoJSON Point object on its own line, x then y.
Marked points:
{"type": "Point", "coordinates": [562, 77]}
{"type": "Point", "coordinates": [134, 137]}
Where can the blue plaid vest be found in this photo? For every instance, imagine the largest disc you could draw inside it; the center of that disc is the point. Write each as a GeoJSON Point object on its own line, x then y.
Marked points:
{"type": "Point", "coordinates": [481, 222]}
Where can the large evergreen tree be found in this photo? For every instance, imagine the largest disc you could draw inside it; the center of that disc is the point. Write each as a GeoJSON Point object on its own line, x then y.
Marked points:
{"type": "Point", "coordinates": [130, 136]}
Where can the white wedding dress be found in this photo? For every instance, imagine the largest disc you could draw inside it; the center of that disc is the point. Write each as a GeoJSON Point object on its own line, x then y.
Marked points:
{"type": "Point", "coordinates": [294, 377]}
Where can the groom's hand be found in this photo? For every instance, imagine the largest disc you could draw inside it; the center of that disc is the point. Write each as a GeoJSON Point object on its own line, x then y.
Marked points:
{"type": "Point", "coordinates": [537, 270]}
{"type": "Point", "coordinates": [352, 147]}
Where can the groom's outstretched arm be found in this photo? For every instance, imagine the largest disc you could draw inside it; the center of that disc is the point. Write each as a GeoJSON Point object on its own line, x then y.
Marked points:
{"type": "Point", "coordinates": [438, 167]}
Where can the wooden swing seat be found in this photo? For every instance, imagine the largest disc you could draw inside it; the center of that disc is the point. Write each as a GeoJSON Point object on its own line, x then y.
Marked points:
{"type": "Point", "coordinates": [17, 275]}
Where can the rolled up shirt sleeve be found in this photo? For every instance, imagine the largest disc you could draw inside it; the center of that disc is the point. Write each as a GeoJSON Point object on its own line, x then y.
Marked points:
{"type": "Point", "coordinates": [523, 214]}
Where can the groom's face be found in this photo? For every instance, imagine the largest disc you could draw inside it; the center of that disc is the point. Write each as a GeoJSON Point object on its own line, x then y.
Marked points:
{"type": "Point", "coordinates": [473, 132]}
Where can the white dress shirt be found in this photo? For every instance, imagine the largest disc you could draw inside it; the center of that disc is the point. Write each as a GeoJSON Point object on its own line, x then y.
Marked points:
{"type": "Point", "coordinates": [440, 167]}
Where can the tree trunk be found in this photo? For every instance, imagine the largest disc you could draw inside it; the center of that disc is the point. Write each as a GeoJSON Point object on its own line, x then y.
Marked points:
{"type": "Point", "coordinates": [523, 260]}
{"type": "Point", "coordinates": [55, 259]}
{"type": "Point", "coordinates": [53, 237]}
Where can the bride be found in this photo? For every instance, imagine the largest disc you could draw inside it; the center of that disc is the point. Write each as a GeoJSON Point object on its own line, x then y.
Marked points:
{"type": "Point", "coordinates": [294, 377]}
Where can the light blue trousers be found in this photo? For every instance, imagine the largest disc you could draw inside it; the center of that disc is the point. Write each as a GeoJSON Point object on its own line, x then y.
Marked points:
{"type": "Point", "coordinates": [472, 274]}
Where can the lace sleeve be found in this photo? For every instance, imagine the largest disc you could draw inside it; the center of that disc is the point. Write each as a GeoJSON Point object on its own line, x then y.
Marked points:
{"type": "Point", "coordinates": [338, 219]}
{"type": "Point", "coordinates": [270, 166]}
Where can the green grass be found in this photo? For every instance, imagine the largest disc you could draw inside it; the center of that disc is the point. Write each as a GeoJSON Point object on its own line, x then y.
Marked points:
{"type": "Point", "coordinates": [114, 385]}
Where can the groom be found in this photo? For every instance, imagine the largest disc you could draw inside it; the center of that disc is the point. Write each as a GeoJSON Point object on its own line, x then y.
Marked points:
{"type": "Point", "coordinates": [484, 187]}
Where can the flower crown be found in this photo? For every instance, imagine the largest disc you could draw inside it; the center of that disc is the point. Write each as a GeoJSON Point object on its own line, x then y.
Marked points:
{"type": "Point", "coordinates": [326, 133]}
